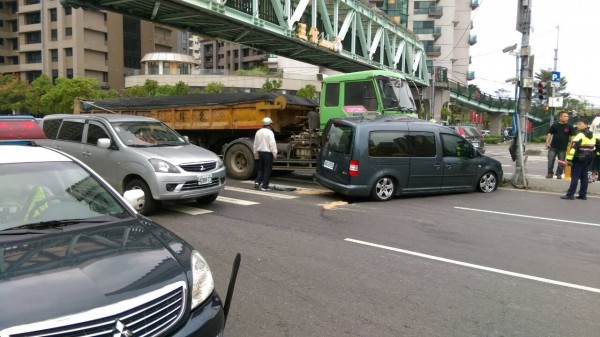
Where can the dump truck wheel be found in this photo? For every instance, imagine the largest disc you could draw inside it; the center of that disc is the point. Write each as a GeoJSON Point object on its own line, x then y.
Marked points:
{"type": "Point", "coordinates": [240, 162]}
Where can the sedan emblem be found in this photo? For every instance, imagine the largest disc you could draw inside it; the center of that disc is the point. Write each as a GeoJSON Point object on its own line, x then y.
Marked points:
{"type": "Point", "coordinates": [201, 167]}
{"type": "Point", "coordinates": [121, 330]}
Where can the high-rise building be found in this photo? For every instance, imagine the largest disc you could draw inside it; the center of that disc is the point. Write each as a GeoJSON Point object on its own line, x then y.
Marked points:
{"type": "Point", "coordinates": [218, 55]}
{"type": "Point", "coordinates": [43, 37]}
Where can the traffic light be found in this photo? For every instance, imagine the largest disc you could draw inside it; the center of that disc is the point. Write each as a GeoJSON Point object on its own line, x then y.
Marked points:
{"type": "Point", "coordinates": [541, 91]}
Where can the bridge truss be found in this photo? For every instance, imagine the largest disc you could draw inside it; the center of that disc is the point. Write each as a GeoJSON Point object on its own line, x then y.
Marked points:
{"type": "Point", "coordinates": [343, 35]}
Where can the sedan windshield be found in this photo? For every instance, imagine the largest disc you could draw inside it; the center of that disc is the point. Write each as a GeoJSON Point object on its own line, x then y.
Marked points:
{"type": "Point", "coordinates": [53, 192]}
{"type": "Point", "coordinates": [143, 134]}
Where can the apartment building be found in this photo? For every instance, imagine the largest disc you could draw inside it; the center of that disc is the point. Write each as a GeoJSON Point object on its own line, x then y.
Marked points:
{"type": "Point", "coordinates": [219, 55]}
{"type": "Point", "coordinates": [43, 37]}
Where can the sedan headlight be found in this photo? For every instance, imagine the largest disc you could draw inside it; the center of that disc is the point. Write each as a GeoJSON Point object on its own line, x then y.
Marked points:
{"type": "Point", "coordinates": [202, 280]}
{"type": "Point", "coordinates": [220, 163]}
{"type": "Point", "coordinates": [163, 166]}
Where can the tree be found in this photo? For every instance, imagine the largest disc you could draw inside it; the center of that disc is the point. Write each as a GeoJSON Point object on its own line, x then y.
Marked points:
{"type": "Point", "coordinates": [214, 88]}
{"type": "Point", "coordinates": [149, 89]}
{"type": "Point", "coordinates": [60, 97]}
{"type": "Point", "coordinates": [13, 93]}
{"type": "Point", "coordinates": [33, 98]}
{"type": "Point", "coordinates": [270, 86]}
{"type": "Point", "coordinates": [308, 91]}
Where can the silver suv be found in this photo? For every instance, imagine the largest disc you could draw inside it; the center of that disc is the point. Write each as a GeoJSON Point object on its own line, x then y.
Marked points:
{"type": "Point", "coordinates": [136, 152]}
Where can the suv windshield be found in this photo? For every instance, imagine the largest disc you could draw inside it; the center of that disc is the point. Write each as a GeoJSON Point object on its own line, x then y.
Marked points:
{"type": "Point", "coordinates": [395, 94]}
{"type": "Point", "coordinates": [52, 191]}
{"type": "Point", "coordinates": [147, 134]}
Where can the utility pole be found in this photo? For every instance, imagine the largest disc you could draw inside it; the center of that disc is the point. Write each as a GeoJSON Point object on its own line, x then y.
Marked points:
{"type": "Point", "coordinates": [525, 85]}
{"type": "Point", "coordinates": [553, 87]}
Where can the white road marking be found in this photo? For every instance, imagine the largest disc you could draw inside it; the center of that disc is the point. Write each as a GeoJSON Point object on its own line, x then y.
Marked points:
{"type": "Point", "coordinates": [237, 201]}
{"type": "Point", "coordinates": [479, 267]}
{"type": "Point", "coordinates": [263, 193]}
{"type": "Point", "coordinates": [187, 209]}
{"type": "Point", "coordinates": [529, 216]}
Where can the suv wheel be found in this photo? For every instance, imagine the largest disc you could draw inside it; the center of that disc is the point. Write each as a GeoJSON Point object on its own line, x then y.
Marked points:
{"type": "Point", "coordinates": [149, 203]}
{"type": "Point", "coordinates": [487, 183]}
{"type": "Point", "coordinates": [384, 189]}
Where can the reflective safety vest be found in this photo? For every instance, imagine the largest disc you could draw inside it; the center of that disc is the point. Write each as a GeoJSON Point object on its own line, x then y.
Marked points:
{"type": "Point", "coordinates": [39, 196]}
{"type": "Point", "coordinates": [581, 143]}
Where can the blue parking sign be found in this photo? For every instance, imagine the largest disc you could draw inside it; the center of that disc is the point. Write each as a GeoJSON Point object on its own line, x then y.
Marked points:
{"type": "Point", "coordinates": [555, 77]}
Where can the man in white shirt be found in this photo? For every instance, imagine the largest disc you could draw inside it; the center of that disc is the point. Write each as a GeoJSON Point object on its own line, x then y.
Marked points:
{"type": "Point", "coordinates": [265, 149]}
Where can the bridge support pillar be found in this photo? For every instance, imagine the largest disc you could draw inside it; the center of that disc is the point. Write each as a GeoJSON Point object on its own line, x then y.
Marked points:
{"type": "Point", "coordinates": [435, 100]}
{"type": "Point", "coordinates": [495, 122]}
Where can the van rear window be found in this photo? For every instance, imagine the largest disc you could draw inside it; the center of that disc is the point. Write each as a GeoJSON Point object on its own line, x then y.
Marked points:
{"type": "Point", "coordinates": [338, 138]}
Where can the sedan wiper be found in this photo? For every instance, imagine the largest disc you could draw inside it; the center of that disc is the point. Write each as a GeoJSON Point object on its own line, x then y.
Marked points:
{"type": "Point", "coordinates": [57, 223]}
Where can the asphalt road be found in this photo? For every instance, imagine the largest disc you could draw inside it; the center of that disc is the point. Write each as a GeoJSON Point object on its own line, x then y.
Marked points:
{"type": "Point", "coordinates": [509, 263]}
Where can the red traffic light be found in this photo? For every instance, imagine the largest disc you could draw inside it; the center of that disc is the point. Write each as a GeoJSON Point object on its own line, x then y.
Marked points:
{"type": "Point", "coordinates": [541, 91]}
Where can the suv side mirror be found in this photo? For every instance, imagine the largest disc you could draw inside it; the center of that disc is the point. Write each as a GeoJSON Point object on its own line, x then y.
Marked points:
{"type": "Point", "coordinates": [103, 143]}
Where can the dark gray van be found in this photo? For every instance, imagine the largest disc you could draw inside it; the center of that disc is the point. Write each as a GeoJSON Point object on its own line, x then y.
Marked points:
{"type": "Point", "coordinates": [385, 156]}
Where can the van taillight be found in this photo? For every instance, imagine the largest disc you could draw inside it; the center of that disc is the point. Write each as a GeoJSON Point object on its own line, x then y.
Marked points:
{"type": "Point", "coordinates": [353, 169]}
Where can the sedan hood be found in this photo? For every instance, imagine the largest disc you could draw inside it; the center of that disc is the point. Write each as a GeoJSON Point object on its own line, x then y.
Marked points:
{"type": "Point", "coordinates": [178, 155]}
{"type": "Point", "coordinates": [52, 276]}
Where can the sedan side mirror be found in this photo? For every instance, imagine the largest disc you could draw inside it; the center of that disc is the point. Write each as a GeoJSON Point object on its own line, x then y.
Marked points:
{"type": "Point", "coordinates": [135, 198]}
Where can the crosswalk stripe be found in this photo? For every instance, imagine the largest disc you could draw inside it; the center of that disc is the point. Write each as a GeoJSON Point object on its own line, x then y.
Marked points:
{"type": "Point", "coordinates": [187, 209]}
{"type": "Point", "coordinates": [237, 201]}
{"type": "Point", "coordinates": [263, 193]}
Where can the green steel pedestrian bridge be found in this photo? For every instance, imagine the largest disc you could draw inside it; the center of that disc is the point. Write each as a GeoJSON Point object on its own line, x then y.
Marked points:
{"type": "Point", "coordinates": [474, 99]}
{"type": "Point", "coordinates": [343, 35]}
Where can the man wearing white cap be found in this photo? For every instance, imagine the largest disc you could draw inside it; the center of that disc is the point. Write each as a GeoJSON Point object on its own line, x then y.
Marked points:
{"type": "Point", "coordinates": [265, 149]}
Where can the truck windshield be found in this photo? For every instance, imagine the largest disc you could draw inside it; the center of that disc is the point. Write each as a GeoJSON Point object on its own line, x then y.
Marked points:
{"type": "Point", "coordinates": [142, 133]}
{"type": "Point", "coordinates": [395, 94]}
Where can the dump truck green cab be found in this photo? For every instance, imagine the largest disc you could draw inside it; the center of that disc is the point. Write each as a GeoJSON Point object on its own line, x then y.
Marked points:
{"type": "Point", "coordinates": [365, 92]}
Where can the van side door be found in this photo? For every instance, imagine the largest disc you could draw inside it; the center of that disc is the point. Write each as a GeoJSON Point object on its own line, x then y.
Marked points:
{"type": "Point", "coordinates": [98, 158]}
{"type": "Point", "coordinates": [426, 170]}
{"type": "Point", "coordinates": [460, 165]}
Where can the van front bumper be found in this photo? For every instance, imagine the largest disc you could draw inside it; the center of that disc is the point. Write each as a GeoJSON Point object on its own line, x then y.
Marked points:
{"type": "Point", "coordinates": [349, 190]}
{"type": "Point", "coordinates": [172, 187]}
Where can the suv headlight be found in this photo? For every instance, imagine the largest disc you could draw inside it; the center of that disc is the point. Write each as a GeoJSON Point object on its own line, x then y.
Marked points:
{"type": "Point", "coordinates": [202, 280]}
{"type": "Point", "coordinates": [163, 166]}
{"type": "Point", "coordinates": [220, 163]}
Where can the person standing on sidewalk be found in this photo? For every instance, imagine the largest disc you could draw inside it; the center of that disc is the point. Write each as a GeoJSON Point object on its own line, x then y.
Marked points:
{"type": "Point", "coordinates": [557, 140]}
{"type": "Point", "coordinates": [595, 128]}
{"type": "Point", "coordinates": [265, 150]}
{"type": "Point", "coordinates": [579, 158]}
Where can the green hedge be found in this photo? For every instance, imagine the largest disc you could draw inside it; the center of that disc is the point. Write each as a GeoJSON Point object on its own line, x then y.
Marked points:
{"type": "Point", "coordinates": [492, 139]}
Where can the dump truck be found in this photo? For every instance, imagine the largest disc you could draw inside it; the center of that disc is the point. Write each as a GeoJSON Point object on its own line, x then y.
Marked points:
{"type": "Point", "coordinates": [226, 123]}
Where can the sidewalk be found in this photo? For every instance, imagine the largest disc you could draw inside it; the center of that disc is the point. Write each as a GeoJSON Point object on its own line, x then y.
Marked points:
{"type": "Point", "coordinates": [535, 182]}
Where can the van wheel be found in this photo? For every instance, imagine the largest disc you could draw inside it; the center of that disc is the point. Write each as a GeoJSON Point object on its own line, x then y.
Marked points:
{"type": "Point", "coordinates": [149, 205]}
{"type": "Point", "coordinates": [384, 189]}
{"type": "Point", "coordinates": [487, 183]}
{"type": "Point", "coordinates": [239, 162]}
{"type": "Point", "coordinates": [207, 199]}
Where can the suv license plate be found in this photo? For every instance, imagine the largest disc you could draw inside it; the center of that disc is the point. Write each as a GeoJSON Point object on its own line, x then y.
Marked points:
{"type": "Point", "coordinates": [204, 179]}
{"type": "Point", "coordinates": [328, 164]}
{"type": "Point", "coordinates": [476, 144]}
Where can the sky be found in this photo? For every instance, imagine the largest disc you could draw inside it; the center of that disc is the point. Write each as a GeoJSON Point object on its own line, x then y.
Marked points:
{"type": "Point", "coordinates": [578, 38]}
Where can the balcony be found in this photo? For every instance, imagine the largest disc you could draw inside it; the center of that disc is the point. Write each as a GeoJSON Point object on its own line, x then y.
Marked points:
{"type": "Point", "coordinates": [436, 11]}
{"type": "Point", "coordinates": [470, 75]}
{"type": "Point", "coordinates": [433, 51]}
{"type": "Point", "coordinates": [437, 32]}
{"type": "Point", "coordinates": [472, 39]}
{"type": "Point", "coordinates": [474, 4]}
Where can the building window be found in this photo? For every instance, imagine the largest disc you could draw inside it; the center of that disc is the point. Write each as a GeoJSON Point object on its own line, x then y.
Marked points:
{"type": "Point", "coordinates": [13, 59]}
{"type": "Point", "coordinates": [34, 57]}
{"type": "Point", "coordinates": [152, 68]}
{"type": "Point", "coordinates": [68, 31]}
{"type": "Point", "coordinates": [1, 59]}
{"type": "Point", "coordinates": [54, 75]}
{"type": "Point", "coordinates": [54, 55]}
{"type": "Point", "coordinates": [1, 42]}
{"type": "Point", "coordinates": [423, 27]}
{"type": "Point", "coordinates": [68, 52]}
{"type": "Point", "coordinates": [15, 44]}
{"type": "Point", "coordinates": [53, 15]}
{"type": "Point", "coordinates": [32, 18]}
{"type": "Point", "coordinates": [53, 35]}
{"type": "Point", "coordinates": [32, 75]}
{"type": "Point", "coordinates": [33, 37]}
{"type": "Point", "coordinates": [68, 10]}
{"type": "Point", "coordinates": [422, 7]}
{"type": "Point", "coordinates": [166, 68]}
{"type": "Point", "coordinates": [14, 27]}
{"type": "Point", "coordinates": [1, 22]}
{"type": "Point", "coordinates": [69, 72]}
{"type": "Point", "coordinates": [32, 2]}
{"type": "Point", "coordinates": [105, 77]}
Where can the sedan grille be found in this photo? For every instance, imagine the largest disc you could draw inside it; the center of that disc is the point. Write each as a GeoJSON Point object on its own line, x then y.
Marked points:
{"type": "Point", "coordinates": [199, 167]}
{"type": "Point", "coordinates": [150, 318]}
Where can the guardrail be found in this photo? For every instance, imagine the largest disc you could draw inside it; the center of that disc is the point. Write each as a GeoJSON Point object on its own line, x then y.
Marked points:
{"type": "Point", "coordinates": [481, 98]}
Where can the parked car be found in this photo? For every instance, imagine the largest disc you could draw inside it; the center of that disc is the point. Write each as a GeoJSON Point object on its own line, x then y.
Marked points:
{"type": "Point", "coordinates": [136, 152]}
{"type": "Point", "coordinates": [386, 156]}
{"type": "Point", "coordinates": [472, 134]}
{"type": "Point", "coordinates": [20, 128]}
{"type": "Point", "coordinates": [485, 132]}
{"type": "Point", "coordinates": [78, 260]}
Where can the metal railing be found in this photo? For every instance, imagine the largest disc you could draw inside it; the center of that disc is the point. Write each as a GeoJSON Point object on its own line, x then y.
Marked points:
{"type": "Point", "coordinates": [472, 94]}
